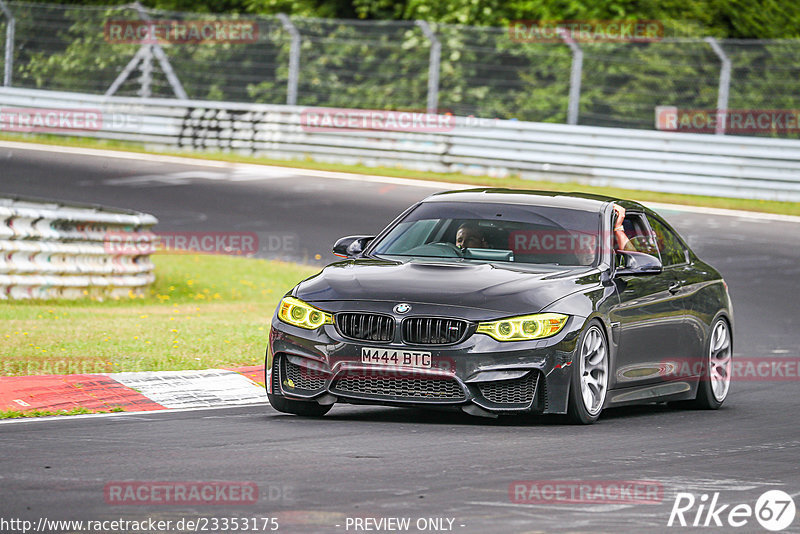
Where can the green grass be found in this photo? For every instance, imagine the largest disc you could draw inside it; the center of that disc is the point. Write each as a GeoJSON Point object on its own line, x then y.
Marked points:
{"type": "Point", "coordinates": [78, 410]}
{"type": "Point", "coordinates": [769, 206]}
{"type": "Point", "coordinates": [202, 312]}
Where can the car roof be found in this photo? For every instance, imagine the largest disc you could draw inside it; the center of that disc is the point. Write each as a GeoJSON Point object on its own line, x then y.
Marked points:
{"type": "Point", "coordinates": [557, 199]}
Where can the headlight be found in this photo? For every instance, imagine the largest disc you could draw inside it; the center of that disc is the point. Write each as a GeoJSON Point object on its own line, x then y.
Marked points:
{"type": "Point", "coordinates": [298, 313]}
{"type": "Point", "coordinates": [524, 327]}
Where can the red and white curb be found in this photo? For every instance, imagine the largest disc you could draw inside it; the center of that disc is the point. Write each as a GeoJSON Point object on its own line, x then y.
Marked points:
{"type": "Point", "coordinates": [134, 392]}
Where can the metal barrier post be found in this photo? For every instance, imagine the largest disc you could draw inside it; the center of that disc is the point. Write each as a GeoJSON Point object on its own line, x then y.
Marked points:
{"type": "Point", "coordinates": [129, 68]}
{"type": "Point", "coordinates": [434, 62]}
{"type": "Point", "coordinates": [147, 72]}
{"type": "Point", "coordinates": [294, 59]}
{"type": "Point", "coordinates": [145, 55]}
{"type": "Point", "coordinates": [9, 55]}
{"type": "Point", "coordinates": [576, 71]}
{"type": "Point", "coordinates": [724, 85]}
{"type": "Point", "coordinates": [162, 59]}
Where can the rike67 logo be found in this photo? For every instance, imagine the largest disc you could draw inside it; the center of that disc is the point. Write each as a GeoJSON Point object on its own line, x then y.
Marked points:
{"type": "Point", "coordinates": [774, 510]}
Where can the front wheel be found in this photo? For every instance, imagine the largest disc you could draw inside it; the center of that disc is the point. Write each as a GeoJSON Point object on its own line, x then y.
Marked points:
{"type": "Point", "coordinates": [589, 381]}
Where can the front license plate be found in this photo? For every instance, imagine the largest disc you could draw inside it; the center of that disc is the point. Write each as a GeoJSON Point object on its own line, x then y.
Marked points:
{"type": "Point", "coordinates": [406, 358]}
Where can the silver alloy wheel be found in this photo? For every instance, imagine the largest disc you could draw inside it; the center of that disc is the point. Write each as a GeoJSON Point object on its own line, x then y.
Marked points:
{"type": "Point", "coordinates": [719, 360]}
{"type": "Point", "coordinates": [594, 370]}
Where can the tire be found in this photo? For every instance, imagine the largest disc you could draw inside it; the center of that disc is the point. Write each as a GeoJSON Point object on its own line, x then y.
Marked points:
{"type": "Point", "coordinates": [717, 366]}
{"type": "Point", "coordinates": [589, 381]}
{"type": "Point", "coordinates": [304, 408]}
{"type": "Point", "coordinates": [282, 404]}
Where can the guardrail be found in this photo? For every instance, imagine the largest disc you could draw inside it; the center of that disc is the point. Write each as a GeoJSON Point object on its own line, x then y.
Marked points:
{"type": "Point", "coordinates": [51, 250]}
{"type": "Point", "coordinates": [704, 164]}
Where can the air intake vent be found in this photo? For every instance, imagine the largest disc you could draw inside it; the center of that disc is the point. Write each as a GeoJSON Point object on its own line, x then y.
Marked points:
{"type": "Point", "coordinates": [517, 391]}
{"type": "Point", "coordinates": [276, 374]}
{"type": "Point", "coordinates": [433, 330]}
{"type": "Point", "coordinates": [434, 389]}
{"type": "Point", "coordinates": [304, 377]}
{"type": "Point", "coordinates": [366, 326]}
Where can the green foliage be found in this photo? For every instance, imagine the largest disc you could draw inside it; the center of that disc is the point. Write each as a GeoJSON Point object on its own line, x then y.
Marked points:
{"type": "Point", "coordinates": [78, 410]}
{"type": "Point", "coordinates": [741, 19]}
{"type": "Point", "coordinates": [75, 62]}
{"type": "Point", "coordinates": [192, 318]}
{"type": "Point", "coordinates": [485, 71]}
{"type": "Point", "coordinates": [745, 19]}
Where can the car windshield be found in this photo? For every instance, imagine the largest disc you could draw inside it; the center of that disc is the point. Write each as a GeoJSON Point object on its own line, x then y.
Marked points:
{"type": "Point", "coordinates": [493, 232]}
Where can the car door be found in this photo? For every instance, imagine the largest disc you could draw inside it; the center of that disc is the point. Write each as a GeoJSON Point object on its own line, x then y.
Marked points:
{"type": "Point", "coordinates": [675, 260]}
{"type": "Point", "coordinates": [648, 319]}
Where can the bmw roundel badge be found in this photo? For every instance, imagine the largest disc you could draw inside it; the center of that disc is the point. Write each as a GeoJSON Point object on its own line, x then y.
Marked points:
{"type": "Point", "coordinates": [402, 308]}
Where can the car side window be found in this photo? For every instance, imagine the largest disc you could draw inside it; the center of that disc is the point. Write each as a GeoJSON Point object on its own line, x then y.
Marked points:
{"type": "Point", "coordinates": [669, 245]}
{"type": "Point", "coordinates": [639, 235]}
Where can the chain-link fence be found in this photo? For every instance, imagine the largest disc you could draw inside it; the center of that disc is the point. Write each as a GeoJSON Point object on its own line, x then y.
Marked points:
{"type": "Point", "coordinates": [480, 71]}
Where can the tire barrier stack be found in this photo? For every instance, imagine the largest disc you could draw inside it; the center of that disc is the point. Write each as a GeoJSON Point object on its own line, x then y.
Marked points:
{"type": "Point", "coordinates": [52, 250]}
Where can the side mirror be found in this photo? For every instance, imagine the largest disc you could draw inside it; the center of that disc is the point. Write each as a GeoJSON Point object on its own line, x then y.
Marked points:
{"type": "Point", "coordinates": [351, 246]}
{"type": "Point", "coordinates": [637, 263]}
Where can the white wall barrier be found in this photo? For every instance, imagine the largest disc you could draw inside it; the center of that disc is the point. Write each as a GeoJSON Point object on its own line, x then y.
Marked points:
{"type": "Point", "coordinates": [52, 250]}
{"type": "Point", "coordinates": [716, 165]}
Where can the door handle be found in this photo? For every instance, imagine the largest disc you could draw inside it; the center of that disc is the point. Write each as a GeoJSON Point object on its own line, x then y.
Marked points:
{"type": "Point", "coordinates": [674, 287]}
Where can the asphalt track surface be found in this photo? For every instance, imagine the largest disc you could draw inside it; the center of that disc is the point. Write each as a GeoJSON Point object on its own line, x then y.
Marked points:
{"type": "Point", "coordinates": [358, 462]}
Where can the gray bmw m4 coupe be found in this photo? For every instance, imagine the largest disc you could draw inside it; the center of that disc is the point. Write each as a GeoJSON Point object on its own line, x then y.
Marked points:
{"type": "Point", "coordinates": [498, 302]}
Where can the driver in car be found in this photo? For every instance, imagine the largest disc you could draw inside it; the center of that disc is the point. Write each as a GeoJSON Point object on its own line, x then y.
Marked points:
{"type": "Point", "coordinates": [470, 236]}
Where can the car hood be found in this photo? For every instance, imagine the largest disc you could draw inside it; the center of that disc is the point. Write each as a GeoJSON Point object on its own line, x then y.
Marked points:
{"type": "Point", "coordinates": [499, 288]}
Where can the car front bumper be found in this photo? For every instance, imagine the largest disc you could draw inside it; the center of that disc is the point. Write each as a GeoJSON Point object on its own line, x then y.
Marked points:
{"type": "Point", "coordinates": [480, 375]}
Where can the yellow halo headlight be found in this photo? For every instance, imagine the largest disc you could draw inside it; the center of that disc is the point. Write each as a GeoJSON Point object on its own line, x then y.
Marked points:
{"type": "Point", "coordinates": [524, 327]}
{"type": "Point", "coordinates": [298, 313]}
